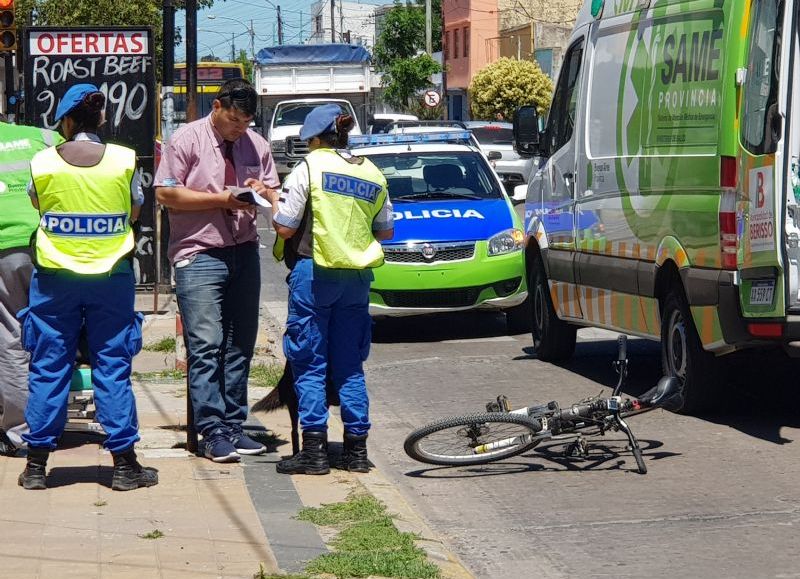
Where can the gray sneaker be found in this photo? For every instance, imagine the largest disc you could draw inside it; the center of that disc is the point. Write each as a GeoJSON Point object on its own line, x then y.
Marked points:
{"type": "Point", "coordinates": [218, 447]}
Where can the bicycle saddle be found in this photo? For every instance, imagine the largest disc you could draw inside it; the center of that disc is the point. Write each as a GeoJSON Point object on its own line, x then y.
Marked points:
{"type": "Point", "coordinates": [666, 394]}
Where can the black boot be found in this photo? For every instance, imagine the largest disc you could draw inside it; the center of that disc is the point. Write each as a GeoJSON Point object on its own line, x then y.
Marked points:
{"type": "Point", "coordinates": [354, 455]}
{"type": "Point", "coordinates": [129, 474]}
{"type": "Point", "coordinates": [33, 477]}
{"type": "Point", "coordinates": [312, 459]}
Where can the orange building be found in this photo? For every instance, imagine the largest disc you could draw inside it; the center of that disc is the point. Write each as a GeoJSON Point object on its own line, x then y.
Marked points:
{"type": "Point", "coordinates": [470, 30]}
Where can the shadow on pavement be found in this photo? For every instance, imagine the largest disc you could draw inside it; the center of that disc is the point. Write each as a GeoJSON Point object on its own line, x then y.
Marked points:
{"type": "Point", "coordinates": [439, 327]}
{"type": "Point", "coordinates": [760, 392]}
{"type": "Point", "coordinates": [62, 476]}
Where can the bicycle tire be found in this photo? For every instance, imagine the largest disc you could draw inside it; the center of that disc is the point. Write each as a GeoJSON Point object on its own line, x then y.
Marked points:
{"type": "Point", "coordinates": [462, 449]}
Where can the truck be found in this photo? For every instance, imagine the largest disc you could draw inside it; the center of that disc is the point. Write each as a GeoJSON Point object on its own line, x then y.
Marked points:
{"type": "Point", "coordinates": [293, 79]}
{"type": "Point", "coordinates": [666, 207]}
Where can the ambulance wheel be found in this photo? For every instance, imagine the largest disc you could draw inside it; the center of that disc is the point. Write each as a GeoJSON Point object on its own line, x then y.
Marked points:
{"type": "Point", "coordinates": [519, 318]}
{"type": "Point", "coordinates": [553, 339]}
{"type": "Point", "coordinates": [683, 356]}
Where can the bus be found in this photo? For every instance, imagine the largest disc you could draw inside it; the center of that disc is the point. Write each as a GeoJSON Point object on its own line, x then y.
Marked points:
{"type": "Point", "coordinates": [210, 77]}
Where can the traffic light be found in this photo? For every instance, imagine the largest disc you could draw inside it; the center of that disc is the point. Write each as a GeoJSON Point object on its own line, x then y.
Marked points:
{"type": "Point", "coordinates": [8, 26]}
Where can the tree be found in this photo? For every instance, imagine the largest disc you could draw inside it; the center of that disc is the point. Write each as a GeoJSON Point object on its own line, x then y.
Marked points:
{"type": "Point", "coordinates": [503, 86]}
{"type": "Point", "coordinates": [210, 58]}
{"type": "Point", "coordinates": [247, 64]}
{"type": "Point", "coordinates": [397, 54]}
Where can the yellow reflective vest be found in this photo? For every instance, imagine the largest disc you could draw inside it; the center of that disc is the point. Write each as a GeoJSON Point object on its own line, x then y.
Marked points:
{"type": "Point", "coordinates": [85, 211]}
{"type": "Point", "coordinates": [345, 198]}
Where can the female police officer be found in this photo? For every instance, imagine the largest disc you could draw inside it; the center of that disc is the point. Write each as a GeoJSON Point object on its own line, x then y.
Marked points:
{"type": "Point", "coordinates": [87, 193]}
{"type": "Point", "coordinates": [333, 209]}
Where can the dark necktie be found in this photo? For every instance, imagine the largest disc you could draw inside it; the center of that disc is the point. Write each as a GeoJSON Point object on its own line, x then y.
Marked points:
{"type": "Point", "coordinates": [230, 166]}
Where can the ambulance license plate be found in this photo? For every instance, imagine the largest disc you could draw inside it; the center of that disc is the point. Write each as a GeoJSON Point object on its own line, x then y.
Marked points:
{"type": "Point", "coordinates": [762, 292]}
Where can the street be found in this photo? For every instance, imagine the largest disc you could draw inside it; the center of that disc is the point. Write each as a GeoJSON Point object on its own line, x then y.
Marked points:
{"type": "Point", "coordinates": [720, 499]}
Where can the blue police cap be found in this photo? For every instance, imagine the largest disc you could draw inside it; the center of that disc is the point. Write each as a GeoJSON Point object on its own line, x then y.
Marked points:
{"type": "Point", "coordinates": [72, 98]}
{"type": "Point", "coordinates": [321, 120]}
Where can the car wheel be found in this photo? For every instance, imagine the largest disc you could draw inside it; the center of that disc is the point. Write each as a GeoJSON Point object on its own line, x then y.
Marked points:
{"type": "Point", "coordinates": [553, 339]}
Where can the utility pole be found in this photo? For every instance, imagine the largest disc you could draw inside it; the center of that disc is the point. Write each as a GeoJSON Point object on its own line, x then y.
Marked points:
{"type": "Point", "coordinates": [333, 20]}
{"type": "Point", "coordinates": [168, 65]}
{"type": "Point", "coordinates": [341, 21]}
{"type": "Point", "coordinates": [233, 49]}
{"type": "Point", "coordinates": [445, 100]}
{"type": "Point", "coordinates": [191, 60]}
{"type": "Point", "coordinates": [280, 27]}
{"type": "Point", "coordinates": [428, 27]}
{"type": "Point", "coordinates": [252, 42]}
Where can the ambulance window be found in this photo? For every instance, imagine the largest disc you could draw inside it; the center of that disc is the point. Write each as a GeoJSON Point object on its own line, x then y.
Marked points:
{"type": "Point", "coordinates": [761, 86]}
{"type": "Point", "coordinates": [561, 119]}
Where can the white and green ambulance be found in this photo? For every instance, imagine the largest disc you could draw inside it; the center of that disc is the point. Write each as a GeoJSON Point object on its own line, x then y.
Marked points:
{"type": "Point", "coordinates": [666, 206]}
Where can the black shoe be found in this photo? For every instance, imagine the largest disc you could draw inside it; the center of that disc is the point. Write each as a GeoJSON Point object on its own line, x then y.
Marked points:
{"type": "Point", "coordinates": [312, 459]}
{"type": "Point", "coordinates": [354, 454]}
{"type": "Point", "coordinates": [33, 477]}
{"type": "Point", "coordinates": [7, 448]}
{"type": "Point", "coordinates": [129, 474]}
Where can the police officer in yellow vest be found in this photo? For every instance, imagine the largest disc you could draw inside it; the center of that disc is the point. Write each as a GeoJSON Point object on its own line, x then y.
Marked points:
{"type": "Point", "coordinates": [18, 220]}
{"type": "Point", "coordinates": [87, 193]}
{"type": "Point", "coordinates": [334, 211]}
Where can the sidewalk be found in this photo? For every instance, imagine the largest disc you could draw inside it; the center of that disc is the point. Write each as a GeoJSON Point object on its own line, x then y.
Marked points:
{"type": "Point", "coordinates": [202, 519]}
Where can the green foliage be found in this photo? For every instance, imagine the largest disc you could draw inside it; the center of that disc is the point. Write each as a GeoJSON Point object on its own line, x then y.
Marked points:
{"type": "Point", "coordinates": [368, 543]}
{"type": "Point", "coordinates": [507, 84]}
{"type": "Point", "coordinates": [210, 58]}
{"type": "Point", "coordinates": [406, 77]}
{"type": "Point", "coordinates": [397, 52]}
{"type": "Point", "coordinates": [166, 345]}
{"type": "Point", "coordinates": [247, 64]}
{"type": "Point", "coordinates": [423, 113]}
{"type": "Point", "coordinates": [265, 375]}
{"type": "Point", "coordinates": [154, 534]}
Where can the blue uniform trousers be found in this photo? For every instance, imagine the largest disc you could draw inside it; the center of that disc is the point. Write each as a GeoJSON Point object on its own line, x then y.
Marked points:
{"type": "Point", "coordinates": [60, 304]}
{"type": "Point", "coordinates": [328, 333]}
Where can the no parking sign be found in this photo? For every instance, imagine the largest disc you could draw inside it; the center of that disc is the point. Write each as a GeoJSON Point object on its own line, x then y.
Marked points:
{"type": "Point", "coordinates": [431, 99]}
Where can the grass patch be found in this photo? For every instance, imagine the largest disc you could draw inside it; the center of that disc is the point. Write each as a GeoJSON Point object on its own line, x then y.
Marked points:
{"type": "Point", "coordinates": [368, 543]}
{"type": "Point", "coordinates": [100, 503]}
{"type": "Point", "coordinates": [262, 574]}
{"type": "Point", "coordinates": [265, 375]}
{"type": "Point", "coordinates": [166, 345]}
{"type": "Point", "coordinates": [154, 534]}
{"type": "Point", "coordinates": [160, 375]}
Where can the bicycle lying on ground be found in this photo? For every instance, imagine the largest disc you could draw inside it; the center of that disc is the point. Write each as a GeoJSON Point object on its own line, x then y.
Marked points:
{"type": "Point", "coordinates": [501, 432]}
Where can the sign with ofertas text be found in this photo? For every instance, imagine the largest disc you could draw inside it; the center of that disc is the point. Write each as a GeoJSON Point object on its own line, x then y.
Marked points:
{"type": "Point", "coordinates": [120, 62]}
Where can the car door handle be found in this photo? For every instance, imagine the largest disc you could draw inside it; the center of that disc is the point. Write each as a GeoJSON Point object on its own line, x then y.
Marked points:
{"type": "Point", "coordinates": [569, 180]}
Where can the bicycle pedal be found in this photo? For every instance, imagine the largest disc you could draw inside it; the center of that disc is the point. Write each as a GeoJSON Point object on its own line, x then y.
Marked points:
{"type": "Point", "coordinates": [503, 403]}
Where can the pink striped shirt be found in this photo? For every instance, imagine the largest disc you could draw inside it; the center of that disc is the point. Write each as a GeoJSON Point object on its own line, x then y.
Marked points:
{"type": "Point", "coordinates": [194, 158]}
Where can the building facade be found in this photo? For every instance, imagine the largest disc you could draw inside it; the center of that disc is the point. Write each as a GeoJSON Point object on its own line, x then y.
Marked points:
{"type": "Point", "coordinates": [353, 23]}
{"type": "Point", "coordinates": [470, 29]}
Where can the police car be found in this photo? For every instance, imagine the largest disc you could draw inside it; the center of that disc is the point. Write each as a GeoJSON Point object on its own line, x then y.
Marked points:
{"type": "Point", "coordinates": [458, 241]}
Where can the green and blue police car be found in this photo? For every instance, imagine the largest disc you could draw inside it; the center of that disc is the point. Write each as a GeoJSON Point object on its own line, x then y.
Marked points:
{"type": "Point", "coordinates": [458, 240]}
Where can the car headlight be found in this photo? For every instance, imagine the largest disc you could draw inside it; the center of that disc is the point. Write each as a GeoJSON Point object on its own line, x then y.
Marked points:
{"type": "Point", "coordinates": [278, 146]}
{"type": "Point", "coordinates": [506, 242]}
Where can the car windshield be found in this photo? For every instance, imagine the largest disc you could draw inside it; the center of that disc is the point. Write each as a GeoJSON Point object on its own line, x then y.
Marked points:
{"type": "Point", "coordinates": [295, 113]}
{"type": "Point", "coordinates": [414, 176]}
{"type": "Point", "coordinates": [493, 135]}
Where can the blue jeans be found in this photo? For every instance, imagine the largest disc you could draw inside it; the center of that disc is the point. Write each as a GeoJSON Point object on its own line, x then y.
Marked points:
{"type": "Point", "coordinates": [218, 296]}
{"type": "Point", "coordinates": [60, 304]}
{"type": "Point", "coordinates": [328, 333]}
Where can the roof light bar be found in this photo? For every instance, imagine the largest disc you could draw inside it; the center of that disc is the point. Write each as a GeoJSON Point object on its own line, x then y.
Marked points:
{"type": "Point", "coordinates": [409, 138]}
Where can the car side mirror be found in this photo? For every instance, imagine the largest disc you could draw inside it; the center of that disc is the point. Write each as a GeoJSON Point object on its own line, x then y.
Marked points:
{"type": "Point", "coordinates": [526, 131]}
{"type": "Point", "coordinates": [494, 155]}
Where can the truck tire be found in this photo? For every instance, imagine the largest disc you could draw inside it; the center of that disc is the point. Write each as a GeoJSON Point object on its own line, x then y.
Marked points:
{"type": "Point", "coordinates": [683, 356]}
{"type": "Point", "coordinates": [553, 339]}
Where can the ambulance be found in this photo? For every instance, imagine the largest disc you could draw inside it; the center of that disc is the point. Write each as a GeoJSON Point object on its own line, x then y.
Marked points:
{"type": "Point", "coordinates": [668, 204]}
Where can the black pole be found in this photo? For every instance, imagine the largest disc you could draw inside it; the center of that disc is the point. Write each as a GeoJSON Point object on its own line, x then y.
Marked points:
{"type": "Point", "coordinates": [280, 27]}
{"type": "Point", "coordinates": [445, 49]}
{"type": "Point", "coordinates": [8, 63]}
{"type": "Point", "coordinates": [191, 60]}
{"type": "Point", "coordinates": [333, 21]}
{"type": "Point", "coordinates": [168, 64]}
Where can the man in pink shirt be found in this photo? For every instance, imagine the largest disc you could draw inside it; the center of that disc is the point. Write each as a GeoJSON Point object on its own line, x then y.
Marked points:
{"type": "Point", "coordinates": [213, 246]}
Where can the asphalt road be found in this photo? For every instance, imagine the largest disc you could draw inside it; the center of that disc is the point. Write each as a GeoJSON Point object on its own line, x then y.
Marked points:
{"type": "Point", "coordinates": [721, 498]}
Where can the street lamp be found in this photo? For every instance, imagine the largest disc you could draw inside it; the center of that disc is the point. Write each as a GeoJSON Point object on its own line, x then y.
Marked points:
{"type": "Point", "coordinates": [249, 29]}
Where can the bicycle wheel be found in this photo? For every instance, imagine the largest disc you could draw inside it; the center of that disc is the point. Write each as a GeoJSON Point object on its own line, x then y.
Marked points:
{"type": "Point", "coordinates": [472, 439]}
